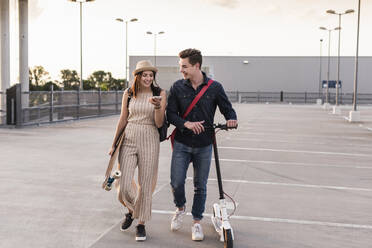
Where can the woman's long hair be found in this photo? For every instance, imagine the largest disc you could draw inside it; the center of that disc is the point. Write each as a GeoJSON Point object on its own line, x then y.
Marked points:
{"type": "Point", "coordinates": [137, 82]}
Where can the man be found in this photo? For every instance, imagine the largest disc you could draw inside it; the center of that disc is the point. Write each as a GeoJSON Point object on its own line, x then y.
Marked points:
{"type": "Point", "coordinates": [193, 142]}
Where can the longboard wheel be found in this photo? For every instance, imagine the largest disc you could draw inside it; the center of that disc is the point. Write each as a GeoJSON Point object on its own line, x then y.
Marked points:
{"type": "Point", "coordinates": [117, 174]}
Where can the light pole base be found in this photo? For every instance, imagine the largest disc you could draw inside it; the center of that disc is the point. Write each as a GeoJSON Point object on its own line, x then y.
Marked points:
{"type": "Point", "coordinates": [336, 110]}
{"type": "Point", "coordinates": [318, 101]}
{"type": "Point", "coordinates": [354, 116]}
{"type": "Point", "coordinates": [326, 105]}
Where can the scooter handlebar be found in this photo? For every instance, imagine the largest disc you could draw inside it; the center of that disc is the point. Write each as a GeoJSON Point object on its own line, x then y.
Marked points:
{"type": "Point", "coordinates": [223, 127]}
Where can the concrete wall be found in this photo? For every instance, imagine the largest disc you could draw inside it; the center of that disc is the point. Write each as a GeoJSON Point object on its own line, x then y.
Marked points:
{"type": "Point", "coordinates": [295, 74]}
{"type": "Point", "coordinates": [4, 51]}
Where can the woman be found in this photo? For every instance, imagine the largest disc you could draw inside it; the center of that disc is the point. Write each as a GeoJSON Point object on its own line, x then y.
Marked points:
{"type": "Point", "coordinates": [141, 116]}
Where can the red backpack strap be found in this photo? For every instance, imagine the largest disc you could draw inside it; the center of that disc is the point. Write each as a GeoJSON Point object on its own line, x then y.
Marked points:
{"type": "Point", "coordinates": [191, 106]}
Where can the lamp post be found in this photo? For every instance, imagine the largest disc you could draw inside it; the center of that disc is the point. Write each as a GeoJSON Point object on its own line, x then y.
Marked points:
{"type": "Point", "coordinates": [332, 12]}
{"type": "Point", "coordinates": [155, 34]}
{"type": "Point", "coordinates": [320, 69]}
{"type": "Point", "coordinates": [329, 61]}
{"type": "Point", "coordinates": [126, 43]}
{"type": "Point", "coordinates": [354, 115]}
{"type": "Point", "coordinates": [81, 38]}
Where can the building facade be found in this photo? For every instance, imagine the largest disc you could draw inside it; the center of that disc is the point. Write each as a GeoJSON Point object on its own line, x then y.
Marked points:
{"type": "Point", "coordinates": [269, 74]}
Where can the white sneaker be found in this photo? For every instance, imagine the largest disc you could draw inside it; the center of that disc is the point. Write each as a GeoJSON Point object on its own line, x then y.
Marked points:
{"type": "Point", "coordinates": [197, 232]}
{"type": "Point", "coordinates": [177, 219]}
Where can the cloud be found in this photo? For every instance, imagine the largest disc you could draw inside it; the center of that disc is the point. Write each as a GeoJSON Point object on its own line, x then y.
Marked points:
{"type": "Point", "coordinates": [225, 3]}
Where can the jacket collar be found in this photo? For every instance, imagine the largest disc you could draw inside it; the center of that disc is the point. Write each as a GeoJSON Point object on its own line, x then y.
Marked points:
{"type": "Point", "coordinates": [205, 80]}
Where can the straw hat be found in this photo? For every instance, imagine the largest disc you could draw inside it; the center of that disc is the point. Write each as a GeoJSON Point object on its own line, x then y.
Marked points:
{"type": "Point", "coordinates": [144, 65]}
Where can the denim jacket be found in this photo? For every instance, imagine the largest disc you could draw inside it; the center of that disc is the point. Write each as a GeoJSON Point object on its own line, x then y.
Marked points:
{"type": "Point", "coordinates": [181, 95]}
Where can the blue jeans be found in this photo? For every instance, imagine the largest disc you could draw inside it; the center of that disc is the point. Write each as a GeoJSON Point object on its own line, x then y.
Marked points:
{"type": "Point", "coordinates": [201, 158]}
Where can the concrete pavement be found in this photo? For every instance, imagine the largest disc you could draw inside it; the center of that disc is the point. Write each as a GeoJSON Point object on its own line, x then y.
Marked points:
{"type": "Point", "coordinates": [301, 176]}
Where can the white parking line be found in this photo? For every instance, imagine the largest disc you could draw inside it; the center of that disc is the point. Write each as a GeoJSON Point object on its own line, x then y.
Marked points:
{"type": "Point", "coordinates": [228, 138]}
{"type": "Point", "coordinates": [293, 163]}
{"type": "Point", "coordinates": [121, 220]}
{"type": "Point", "coordinates": [271, 134]}
{"type": "Point", "coordinates": [290, 184]}
{"type": "Point", "coordinates": [295, 151]}
{"type": "Point", "coordinates": [278, 220]}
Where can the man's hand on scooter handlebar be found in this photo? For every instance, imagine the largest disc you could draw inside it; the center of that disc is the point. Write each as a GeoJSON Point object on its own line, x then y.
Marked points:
{"type": "Point", "coordinates": [232, 123]}
{"type": "Point", "coordinates": [196, 127]}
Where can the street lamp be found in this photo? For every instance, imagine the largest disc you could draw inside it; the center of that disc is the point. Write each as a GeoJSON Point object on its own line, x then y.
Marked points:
{"type": "Point", "coordinates": [332, 12]}
{"type": "Point", "coordinates": [155, 34]}
{"type": "Point", "coordinates": [354, 115]}
{"type": "Point", "coordinates": [126, 43]}
{"type": "Point", "coordinates": [320, 68]}
{"type": "Point", "coordinates": [329, 61]}
{"type": "Point", "coordinates": [81, 38]}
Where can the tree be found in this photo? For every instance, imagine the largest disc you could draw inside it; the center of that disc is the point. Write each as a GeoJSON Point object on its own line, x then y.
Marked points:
{"type": "Point", "coordinates": [105, 81]}
{"type": "Point", "coordinates": [88, 85]}
{"type": "Point", "coordinates": [38, 76]}
{"type": "Point", "coordinates": [99, 79]}
{"type": "Point", "coordinates": [118, 84]}
{"type": "Point", "coordinates": [70, 79]}
{"type": "Point", "coordinates": [48, 86]}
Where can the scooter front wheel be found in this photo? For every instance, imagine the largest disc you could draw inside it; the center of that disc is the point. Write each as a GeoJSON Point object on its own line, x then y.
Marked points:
{"type": "Point", "coordinates": [228, 242]}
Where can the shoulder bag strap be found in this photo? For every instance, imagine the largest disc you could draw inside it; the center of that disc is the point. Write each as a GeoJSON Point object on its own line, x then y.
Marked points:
{"type": "Point", "coordinates": [191, 106]}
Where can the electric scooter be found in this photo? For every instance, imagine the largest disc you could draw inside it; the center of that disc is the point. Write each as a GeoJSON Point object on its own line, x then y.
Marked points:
{"type": "Point", "coordinates": [220, 218]}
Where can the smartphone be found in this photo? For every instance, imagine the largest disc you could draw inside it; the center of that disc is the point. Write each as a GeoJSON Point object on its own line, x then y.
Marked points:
{"type": "Point", "coordinates": [156, 97]}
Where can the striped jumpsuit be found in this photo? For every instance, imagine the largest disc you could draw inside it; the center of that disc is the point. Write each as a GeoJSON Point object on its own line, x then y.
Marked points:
{"type": "Point", "coordinates": [140, 148]}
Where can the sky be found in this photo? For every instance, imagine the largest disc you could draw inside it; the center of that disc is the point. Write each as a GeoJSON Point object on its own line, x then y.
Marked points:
{"type": "Point", "coordinates": [216, 27]}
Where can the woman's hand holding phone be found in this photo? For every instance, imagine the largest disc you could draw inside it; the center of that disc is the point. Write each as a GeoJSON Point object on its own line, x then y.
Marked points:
{"type": "Point", "coordinates": [155, 100]}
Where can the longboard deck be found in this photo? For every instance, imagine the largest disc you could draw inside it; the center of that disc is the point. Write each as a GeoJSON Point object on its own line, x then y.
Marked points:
{"type": "Point", "coordinates": [113, 158]}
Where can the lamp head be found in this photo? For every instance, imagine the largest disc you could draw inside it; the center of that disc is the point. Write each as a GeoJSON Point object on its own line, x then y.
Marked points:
{"type": "Point", "coordinates": [81, 1]}
{"type": "Point", "coordinates": [331, 11]}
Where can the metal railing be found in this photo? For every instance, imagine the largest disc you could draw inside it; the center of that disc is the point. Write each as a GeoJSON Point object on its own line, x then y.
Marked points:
{"type": "Point", "coordinates": [56, 106]}
{"type": "Point", "coordinates": [294, 97]}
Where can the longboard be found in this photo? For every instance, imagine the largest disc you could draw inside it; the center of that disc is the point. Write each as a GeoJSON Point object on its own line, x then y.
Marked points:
{"type": "Point", "coordinates": [109, 179]}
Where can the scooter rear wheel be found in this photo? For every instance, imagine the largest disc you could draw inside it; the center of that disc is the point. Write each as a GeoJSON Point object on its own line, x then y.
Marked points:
{"type": "Point", "coordinates": [228, 243]}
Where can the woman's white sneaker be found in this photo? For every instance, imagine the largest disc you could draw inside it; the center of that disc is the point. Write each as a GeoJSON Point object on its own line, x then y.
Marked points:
{"type": "Point", "coordinates": [177, 219]}
{"type": "Point", "coordinates": [197, 232]}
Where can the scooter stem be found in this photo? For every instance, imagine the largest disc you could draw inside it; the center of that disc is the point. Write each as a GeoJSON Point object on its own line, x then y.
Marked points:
{"type": "Point", "coordinates": [219, 179]}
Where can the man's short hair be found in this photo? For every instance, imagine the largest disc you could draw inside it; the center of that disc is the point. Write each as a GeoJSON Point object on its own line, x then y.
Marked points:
{"type": "Point", "coordinates": [194, 56]}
